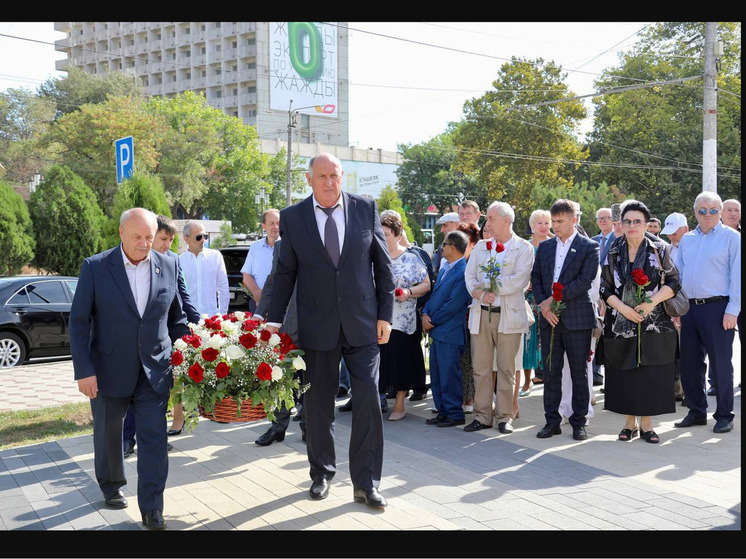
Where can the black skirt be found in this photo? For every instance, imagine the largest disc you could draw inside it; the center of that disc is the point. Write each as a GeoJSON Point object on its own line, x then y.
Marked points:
{"type": "Point", "coordinates": [402, 362]}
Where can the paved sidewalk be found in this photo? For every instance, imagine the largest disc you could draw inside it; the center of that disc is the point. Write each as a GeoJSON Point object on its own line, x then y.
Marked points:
{"type": "Point", "coordinates": [434, 478]}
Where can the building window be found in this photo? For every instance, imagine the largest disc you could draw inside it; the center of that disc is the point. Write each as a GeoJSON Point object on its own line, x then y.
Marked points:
{"type": "Point", "coordinates": [251, 89]}
{"type": "Point", "coordinates": [251, 66]}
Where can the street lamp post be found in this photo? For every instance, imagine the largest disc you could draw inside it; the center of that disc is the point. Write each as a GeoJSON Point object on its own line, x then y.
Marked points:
{"type": "Point", "coordinates": [292, 113]}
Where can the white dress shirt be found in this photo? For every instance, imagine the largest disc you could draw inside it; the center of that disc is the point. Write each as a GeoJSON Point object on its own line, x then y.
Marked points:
{"type": "Point", "coordinates": [338, 215]}
{"type": "Point", "coordinates": [139, 278]}
{"type": "Point", "coordinates": [206, 280]}
{"type": "Point", "coordinates": [561, 253]}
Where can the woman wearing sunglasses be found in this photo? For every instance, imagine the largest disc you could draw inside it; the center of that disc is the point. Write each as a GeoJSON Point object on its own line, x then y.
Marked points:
{"type": "Point", "coordinates": [640, 340]}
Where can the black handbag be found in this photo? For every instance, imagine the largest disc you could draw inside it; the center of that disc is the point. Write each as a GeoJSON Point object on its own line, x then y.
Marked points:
{"type": "Point", "coordinates": [678, 305]}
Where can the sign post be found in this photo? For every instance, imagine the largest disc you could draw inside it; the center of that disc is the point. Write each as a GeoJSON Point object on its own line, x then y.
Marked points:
{"type": "Point", "coordinates": [125, 156]}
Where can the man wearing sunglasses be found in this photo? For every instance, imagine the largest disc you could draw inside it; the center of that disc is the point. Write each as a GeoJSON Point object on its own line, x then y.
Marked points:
{"type": "Point", "coordinates": [709, 264]}
{"type": "Point", "coordinates": [204, 272]}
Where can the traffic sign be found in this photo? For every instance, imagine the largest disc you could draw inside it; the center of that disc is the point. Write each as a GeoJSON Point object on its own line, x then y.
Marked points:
{"type": "Point", "coordinates": [125, 155]}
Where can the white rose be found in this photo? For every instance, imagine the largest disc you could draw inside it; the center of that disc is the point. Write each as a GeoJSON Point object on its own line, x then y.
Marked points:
{"type": "Point", "coordinates": [276, 373]}
{"type": "Point", "coordinates": [233, 352]}
{"type": "Point", "coordinates": [274, 340]}
{"type": "Point", "coordinates": [215, 341]}
{"type": "Point", "coordinates": [298, 363]}
{"type": "Point", "coordinates": [180, 344]}
{"type": "Point", "coordinates": [229, 327]}
{"type": "Point", "coordinates": [240, 315]}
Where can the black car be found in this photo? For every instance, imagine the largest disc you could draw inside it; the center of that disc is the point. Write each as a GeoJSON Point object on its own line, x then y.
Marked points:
{"type": "Point", "coordinates": [235, 257]}
{"type": "Point", "coordinates": [34, 317]}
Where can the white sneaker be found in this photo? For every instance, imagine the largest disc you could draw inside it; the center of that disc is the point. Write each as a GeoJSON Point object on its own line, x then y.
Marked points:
{"type": "Point", "coordinates": [468, 408]}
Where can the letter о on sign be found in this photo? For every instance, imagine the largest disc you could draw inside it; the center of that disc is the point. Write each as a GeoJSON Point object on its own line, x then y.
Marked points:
{"type": "Point", "coordinates": [312, 66]}
{"type": "Point", "coordinates": [125, 157]}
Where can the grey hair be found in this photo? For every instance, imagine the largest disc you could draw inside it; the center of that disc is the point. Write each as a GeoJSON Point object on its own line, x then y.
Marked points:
{"type": "Point", "coordinates": [732, 200]}
{"type": "Point", "coordinates": [187, 230]}
{"type": "Point", "coordinates": [126, 214]}
{"type": "Point", "coordinates": [708, 196]}
{"type": "Point", "coordinates": [604, 209]}
{"type": "Point", "coordinates": [536, 214]}
{"type": "Point", "coordinates": [333, 158]}
{"type": "Point", "coordinates": [503, 209]}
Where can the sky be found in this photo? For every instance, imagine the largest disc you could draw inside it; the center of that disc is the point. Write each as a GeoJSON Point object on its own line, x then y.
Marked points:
{"type": "Point", "coordinates": [408, 80]}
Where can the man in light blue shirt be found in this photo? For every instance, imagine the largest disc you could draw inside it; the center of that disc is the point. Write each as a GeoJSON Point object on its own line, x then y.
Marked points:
{"type": "Point", "coordinates": [709, 264]}
{"type": "Point", "coordinates": [258, 262]}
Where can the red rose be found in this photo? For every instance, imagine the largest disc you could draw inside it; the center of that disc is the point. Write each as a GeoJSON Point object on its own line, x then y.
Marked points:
{"type": "Point", "coordinates": [194, 341]}
{"type": "Point", "coordinates": [264, 372]}
{"type": "Point", "coordinates": [265, 335]}
{"type": "Point", "coordinates": [196, 372]}
{"type": "Point", "coordinates": [222, 370]}
{"type": "Point", "coordinates": [249, 325]}
{"type": "Point", "coordinates": [489, 245]}
{"type": "Point", "coordinates": [499, 247]}
{"type": "Point", "coordinates": [177, 358]}
{"type": "Point", "coordinates": [557, 291]}
{"type": "Point", "coordinates": [640, 277]}
{"type": "Point", "coordinates": [247, 340]}
{"type": "Point", "coordinates": [590, 357]}
{"type": "Point", "coordinates": [210, 354]}
{"type": "Point", "coordinates": [398, 292]}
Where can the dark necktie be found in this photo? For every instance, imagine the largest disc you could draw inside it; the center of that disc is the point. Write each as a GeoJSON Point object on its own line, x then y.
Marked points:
{"type": "Point", "coordinates": [603, 244]}
{"type": "Point", "coordinates": [331, 237]}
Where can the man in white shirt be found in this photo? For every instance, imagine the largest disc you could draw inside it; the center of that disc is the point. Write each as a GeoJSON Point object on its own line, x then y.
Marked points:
{"type": "Point", "coordinates": [258, 263]}
{"type": "Point", "coordinates": [204, 272]}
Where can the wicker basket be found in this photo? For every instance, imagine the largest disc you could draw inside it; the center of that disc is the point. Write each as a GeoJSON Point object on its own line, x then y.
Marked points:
{"type": "Point", "coordinates": [226, 411]}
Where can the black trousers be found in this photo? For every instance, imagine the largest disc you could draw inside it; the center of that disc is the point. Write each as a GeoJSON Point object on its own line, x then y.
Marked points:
{"type": "Point", "coordinates": [366, 438]}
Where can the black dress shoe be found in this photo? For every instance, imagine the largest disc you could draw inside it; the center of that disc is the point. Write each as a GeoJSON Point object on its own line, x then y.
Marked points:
{"type": "Point", "coordinates": [346, 407]}
{"type": "Point", "coordinates": [384, 407]}
{"type": "Point", "coordinates": [689, 421]}
{"type": "Point", "coordinates": [505, 428]}
{"type": "Point", "coordinates": [153, 520]}
{"type": "Point", "coordinates": [319, 488]}
{"type": "Point", "coordinates": [417, 396]}
{"type": "Point", "coordinates": [579, 433]}
{"type": "Point", "coordinates": [371, 497]}
{"type": "Point", "coordinates": [128, 451]}
{"type": "Point", "coordinates": [450, 422]}
{"type": "Point", "coordinates": [548, 430]}
{"type": "Point", "coordinates": [174, 432]}
{"type": "Point", "coordinates": [435, 420]}
{"type": "Point", "coordinates": [169, 447]}
{"type": "Point", "coordinates": [342, 391]}
{"type": "Point", "coordinates": [116, 500]}
{"type": "Point", "coordinates": [270, 436]}
{"type": "Point", "coordinates": [711, 391]}
{"type": "Point", "coordinates": [476, 425]}
{"type": "Point", "coordinates": [722, 426]}
{"type": "Point", "coordinates": [598, 380]}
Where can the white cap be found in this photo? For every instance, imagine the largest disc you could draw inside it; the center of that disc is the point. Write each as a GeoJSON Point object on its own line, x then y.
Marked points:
{"type": "Point", "coordinates": [451, 216]}
{"type": "Point", "coordinates": [673, 222]}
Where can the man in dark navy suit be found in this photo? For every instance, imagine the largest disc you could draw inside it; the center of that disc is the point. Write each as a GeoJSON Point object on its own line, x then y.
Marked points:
{"type": "Point", "coordinates": [125, 314]}
{"type": "Point", "coordinates": [334, 252]}
{"type": "Point", "coordinates": [604, 239]}
{"type": "Point", "coordinates": [571, 260]}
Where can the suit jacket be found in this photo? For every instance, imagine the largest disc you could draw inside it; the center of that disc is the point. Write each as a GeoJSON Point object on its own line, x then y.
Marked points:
{"type": "Point", "coordinates": [352, 296]}
{"type": "Point", "coordinates": [109, 339]}
{"type": "Point", "coordinates": [290, 323]}
{"type": "Point", "coordinates": [578, 272]}
{"type": "Point", "coordinates": [609, 242]}
{"type": "Point", "coordinates": [447, 306]}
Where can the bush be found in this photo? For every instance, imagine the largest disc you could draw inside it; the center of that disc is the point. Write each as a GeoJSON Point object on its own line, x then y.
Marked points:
{"type": "Point", "coordinates": [16, 237]}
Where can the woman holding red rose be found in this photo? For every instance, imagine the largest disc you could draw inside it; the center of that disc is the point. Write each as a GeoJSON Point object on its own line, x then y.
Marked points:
{"type": "Point", "coordinates": [640, 340]}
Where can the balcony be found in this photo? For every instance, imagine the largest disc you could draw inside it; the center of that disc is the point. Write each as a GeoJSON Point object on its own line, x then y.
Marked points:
{"type": "Point", "coordinates": [247, 51]}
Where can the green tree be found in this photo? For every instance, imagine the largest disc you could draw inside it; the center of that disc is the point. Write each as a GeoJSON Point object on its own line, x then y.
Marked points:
{"type": "Point", "coordinates": [79, 88]}
{"type": "Point", "coordinates": [16, 236]}
{"type": "Point", "coordinates": [389, 200]}
{"type": "Point", "coordinates": [510, 141]}
{"type": "Point", "coordinates": [648, 141]}
{"type": "Point", "coordinates": [225, 238]}
{"type": "Point", "coordinates": [139, 191]}
{"type": "Point", "coordinates": [67, 220]}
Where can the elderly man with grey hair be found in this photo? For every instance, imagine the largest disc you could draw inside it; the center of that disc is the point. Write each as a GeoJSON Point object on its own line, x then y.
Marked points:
{"type": "Point", "coordinates": [709, 264]}
{"type": "Point", "coordinates": [204, 272]}
{"type": "Point", "coordinates": [497, 275]}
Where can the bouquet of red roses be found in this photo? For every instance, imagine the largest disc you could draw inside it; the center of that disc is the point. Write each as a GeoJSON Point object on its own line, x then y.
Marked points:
{"type": "Point", "coordinates": [642, 281]}
{"type": "Point", "coordinates": [556, 306]}
{"type": "Point", "coordinates": [491, 270]}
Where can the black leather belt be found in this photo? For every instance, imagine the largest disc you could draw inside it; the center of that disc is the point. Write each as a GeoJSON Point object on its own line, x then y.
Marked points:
{"type": "Point", "coordinates": [490, 309]}
{"type": "Point", "coordinates": [709, 300]}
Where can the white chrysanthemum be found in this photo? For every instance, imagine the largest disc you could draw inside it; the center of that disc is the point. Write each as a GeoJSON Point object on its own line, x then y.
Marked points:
{"type": "Point", "coordinates": [216, 341]}
{"type": "Point", "coordinates": [299, 364]}
{"type": "Point", "coordinates": [240, 315]}
{"type": "Point", "coordinates": [180, 344]}
{"type": "Point", "coordinates": [274, 340]}
{"type": "Point", "coordinates": [233, 352]}
{"type": "Point", "coordinates": [276, 373]}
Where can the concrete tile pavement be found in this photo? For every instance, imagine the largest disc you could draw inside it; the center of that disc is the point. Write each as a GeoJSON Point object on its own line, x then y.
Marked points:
{"type": "Point", "coordinates": [434, 479]}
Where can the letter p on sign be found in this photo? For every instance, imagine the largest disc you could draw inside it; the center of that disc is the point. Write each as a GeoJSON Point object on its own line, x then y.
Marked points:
{"type": "Point", "coordinates": [125, 156]}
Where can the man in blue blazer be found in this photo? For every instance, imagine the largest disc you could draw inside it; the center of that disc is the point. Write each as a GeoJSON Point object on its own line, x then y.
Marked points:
{"type": "Point", "coordinates": [125, 314]}
{"type": "Point", "coordinates": [444, 318]}
{"type": "Point", "coordinates": [571, 260]}
{"type": "Point", "coordinates": [334, 253]}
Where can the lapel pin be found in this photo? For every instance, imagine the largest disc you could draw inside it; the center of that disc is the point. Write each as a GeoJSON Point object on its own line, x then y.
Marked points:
{"type": "Point", "coordinates": [572, 250]}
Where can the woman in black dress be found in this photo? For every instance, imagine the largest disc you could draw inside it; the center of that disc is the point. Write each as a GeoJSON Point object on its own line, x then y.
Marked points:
{"type": "Point", "coordinates": [639, 371]}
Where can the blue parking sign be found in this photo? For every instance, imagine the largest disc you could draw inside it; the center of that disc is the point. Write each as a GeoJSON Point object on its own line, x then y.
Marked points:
{"type": "Point", "coordinates": [125, 155]}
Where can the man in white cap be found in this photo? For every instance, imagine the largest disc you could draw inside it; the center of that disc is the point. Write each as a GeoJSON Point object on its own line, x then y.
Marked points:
{"type": "Point", "coordinates": [675, 227]}
{"type": "Point", "coordinates": [448, 222]}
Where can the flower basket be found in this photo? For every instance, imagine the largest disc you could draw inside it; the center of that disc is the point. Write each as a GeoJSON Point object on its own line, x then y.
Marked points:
{"type": "Point", "coordinates": [232, 358]}
{"type": "Point", "coordinates": [227, 411]}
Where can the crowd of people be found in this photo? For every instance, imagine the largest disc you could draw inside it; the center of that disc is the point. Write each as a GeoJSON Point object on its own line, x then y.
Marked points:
{"type": "Point", "coordinates": [500, 313]}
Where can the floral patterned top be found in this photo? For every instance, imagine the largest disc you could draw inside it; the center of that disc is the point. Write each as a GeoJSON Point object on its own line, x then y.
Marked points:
{"type": "Point", "coordinates": [408, 271]}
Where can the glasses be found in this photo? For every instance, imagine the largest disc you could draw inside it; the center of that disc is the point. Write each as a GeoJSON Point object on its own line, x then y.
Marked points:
{"type": "Point", "coordinates": [604, 218]}
{"type": "Point", "coordinates": [635, 222]}
{"type": "Point", "coordinates": [200, 237]}
{"type": "Point", "coordinates": [448, 244]}
{"type": "Point", "coordinates": [704, 211]}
